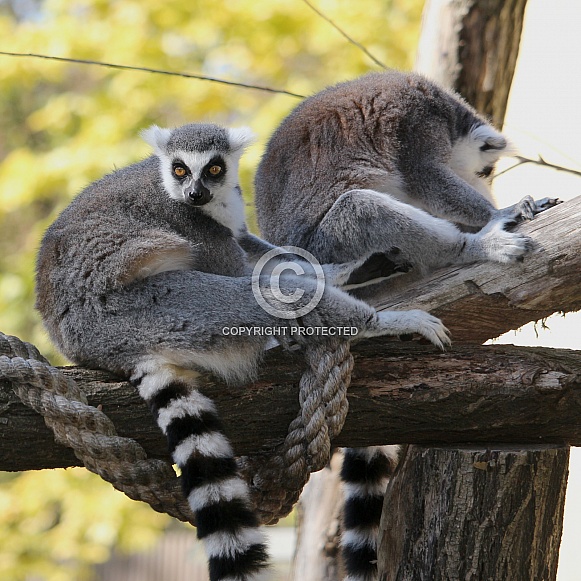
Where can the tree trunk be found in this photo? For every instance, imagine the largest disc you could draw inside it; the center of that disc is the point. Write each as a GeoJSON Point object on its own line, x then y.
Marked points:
{"type": "Point", "coordinates": [318, 535]}
{"type": "Point", "coordinates": [474, 515]}
{"type": "Point", "coordinates": [472, 46]}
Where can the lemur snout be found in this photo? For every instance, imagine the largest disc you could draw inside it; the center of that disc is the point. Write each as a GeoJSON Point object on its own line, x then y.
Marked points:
{"type": "Point", "coordinates": [198, 194]}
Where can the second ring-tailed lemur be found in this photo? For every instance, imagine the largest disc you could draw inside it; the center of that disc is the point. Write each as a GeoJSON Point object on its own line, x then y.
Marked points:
{"type": "Point", "coordinates": [388, 164]}
{"type": "Point", "coordinates": [142, 273]}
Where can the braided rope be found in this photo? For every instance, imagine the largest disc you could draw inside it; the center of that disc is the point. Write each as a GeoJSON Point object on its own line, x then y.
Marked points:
{"type": "Point", "coordinates": [88, 431]}
{"type": "Point", "coordinates": [277, 478]}
{"type": "Point", "coordinates": [13, 347]}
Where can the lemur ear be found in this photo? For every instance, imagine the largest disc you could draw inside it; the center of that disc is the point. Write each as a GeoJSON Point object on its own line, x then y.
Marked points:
{"type": "Point", "coordinates": [240, 137]}
{"type": "Point", "coordinates": [490, 138]}
{"type": "Point", "coordinates": [157, 137]}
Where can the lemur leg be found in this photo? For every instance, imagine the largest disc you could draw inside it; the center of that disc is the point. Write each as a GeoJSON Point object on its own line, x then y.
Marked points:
{"type": "Point", "coordinates": [364, 222]}
{"type": "Point", "coordinates": [365, 474]}
{"type": "Point", "coordinates": [335, 274]}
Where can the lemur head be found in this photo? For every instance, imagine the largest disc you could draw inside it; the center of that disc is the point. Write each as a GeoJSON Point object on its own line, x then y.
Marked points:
{"type": "Point", "coordinates": [199, 162]}
{"type": "Point", "coordinates": [475, 154]}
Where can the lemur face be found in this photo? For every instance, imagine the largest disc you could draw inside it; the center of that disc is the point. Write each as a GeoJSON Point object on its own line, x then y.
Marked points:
{"type": "Point", "coordinates": [199, 162]}
{"type": "Point", "coordinates": [197, 177]}
{"type": "Point", "coordinates": [474, 156]}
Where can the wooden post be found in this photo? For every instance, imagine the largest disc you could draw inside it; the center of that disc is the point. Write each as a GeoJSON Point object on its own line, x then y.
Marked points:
{"type": "Point", "coordinates": [474, 515]}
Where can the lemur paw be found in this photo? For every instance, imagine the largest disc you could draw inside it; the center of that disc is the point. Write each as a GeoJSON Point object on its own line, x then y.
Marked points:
{"type": "Point", "coordinates": [416, 321]}
{"type": "Point", "coordinates": [528, 208]}
{"type": "Point", "coordinates": [499, 245]}
{"type": "Point", "coordinates": [434, 331]}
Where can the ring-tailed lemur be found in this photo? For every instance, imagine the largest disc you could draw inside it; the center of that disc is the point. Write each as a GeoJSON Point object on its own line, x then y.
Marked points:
{"type": "Point", "coordinates": [388, 164]}
{"type": "Point", "coordinates": [142, 273]}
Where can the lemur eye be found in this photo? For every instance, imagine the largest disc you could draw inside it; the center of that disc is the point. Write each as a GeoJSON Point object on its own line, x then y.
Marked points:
{"type": "Point", "coordinates": [215, 170]}
{"type": "Point", "coordinates": [180, 171]}
{"type": "Point", "coordinates": [485, 172]}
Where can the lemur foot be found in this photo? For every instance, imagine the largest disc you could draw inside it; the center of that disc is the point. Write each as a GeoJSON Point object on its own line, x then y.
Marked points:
{"type": "Point", "coordinates": [414, 321]}
{"type": "Point", "coordinates": [499, 245]}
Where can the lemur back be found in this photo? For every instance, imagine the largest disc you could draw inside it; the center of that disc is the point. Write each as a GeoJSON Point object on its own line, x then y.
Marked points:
{"type": "Point", "coordinates": [386, 165]}
{"type": "Point", "coordinates": [391, 163]}
{"type": "Point", "coordinates": [142, 273]}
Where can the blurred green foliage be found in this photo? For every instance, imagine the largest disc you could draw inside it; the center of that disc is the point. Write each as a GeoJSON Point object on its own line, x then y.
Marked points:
{"type": "Point", "coordinates": [54, 524]}
{"type": "Point", "coordinates": [63, 125]}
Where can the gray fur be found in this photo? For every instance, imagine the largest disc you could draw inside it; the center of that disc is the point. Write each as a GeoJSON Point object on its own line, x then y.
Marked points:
{"type": "Point", "coordinates": [208, 136]}
{"type": "Point", "coordinates": [387, 163]}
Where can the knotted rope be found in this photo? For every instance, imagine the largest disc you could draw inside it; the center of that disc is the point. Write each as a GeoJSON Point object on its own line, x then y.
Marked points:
{"type": "Point", "coordinates": [88, 431]}
{"type": "Point", "coordinates": [276, 478]}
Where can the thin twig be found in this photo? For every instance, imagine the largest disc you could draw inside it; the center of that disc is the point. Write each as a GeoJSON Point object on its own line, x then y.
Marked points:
{"type": "Point", "coordinates": [345, 35]}
{"type": "Point", "coordinates": [149, 70]}
{"type": "Point", "coordinates": [540, 161]}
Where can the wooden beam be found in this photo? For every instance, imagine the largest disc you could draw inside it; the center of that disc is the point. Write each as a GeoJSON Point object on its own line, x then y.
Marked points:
{"type": "Point", "coordinates": [400, 393]}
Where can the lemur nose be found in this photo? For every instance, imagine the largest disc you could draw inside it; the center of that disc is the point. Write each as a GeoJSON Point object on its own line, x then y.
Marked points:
{"type": "Point", "coordinates": [198, 194]}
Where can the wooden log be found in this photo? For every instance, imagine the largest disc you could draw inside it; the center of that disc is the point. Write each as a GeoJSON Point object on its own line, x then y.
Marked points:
{"type": "Point", "coordinates": [400, 393]}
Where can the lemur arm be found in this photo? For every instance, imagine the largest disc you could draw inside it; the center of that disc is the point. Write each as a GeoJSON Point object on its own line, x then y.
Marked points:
{"type": "Point", "coordinates": [355, 272]}
{"type": "Point", "coordinates": [254, 246]}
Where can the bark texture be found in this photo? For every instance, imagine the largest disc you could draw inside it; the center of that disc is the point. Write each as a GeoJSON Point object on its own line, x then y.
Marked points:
{"type": "Point", "coordinates": [484, 515]}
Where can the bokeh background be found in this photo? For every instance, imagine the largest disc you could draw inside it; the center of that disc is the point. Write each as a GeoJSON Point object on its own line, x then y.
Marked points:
{"type": "Point", "coordinates": [63, 125]}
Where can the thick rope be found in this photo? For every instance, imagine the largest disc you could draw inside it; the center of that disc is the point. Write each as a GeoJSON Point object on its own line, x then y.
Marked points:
{"type": "Point", "coordinates": [276, 478]}
{"type": "Point", "coordinates": [89, 432]}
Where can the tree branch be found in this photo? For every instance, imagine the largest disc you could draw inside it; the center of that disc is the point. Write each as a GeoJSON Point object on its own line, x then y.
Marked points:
{"type": "Point", "coordinates": [400, 393]}
{"type": "Point", "coordinates": [151, 71]}
{"type": "Point", "coordinates": [521, 160]}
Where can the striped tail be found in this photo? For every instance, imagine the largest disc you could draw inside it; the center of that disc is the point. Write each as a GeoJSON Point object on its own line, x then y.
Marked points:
{"type": "Point", "coordinates": [218, 497]}
{"type": "Point", "coordinates": [365, 474]}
